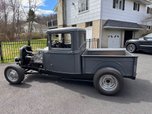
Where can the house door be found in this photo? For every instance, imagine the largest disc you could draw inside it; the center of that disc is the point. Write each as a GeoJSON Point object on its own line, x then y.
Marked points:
{"type": "Point", "coordinates": [128, 35]}
{"type": "Point", "coordinates": [89, 37]}
{"type": "Point", "coordinates": [114, 38]}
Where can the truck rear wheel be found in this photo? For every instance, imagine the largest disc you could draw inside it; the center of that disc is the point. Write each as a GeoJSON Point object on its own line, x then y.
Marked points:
{"type": "Point", "coordinates": [108, 81]}
{"type": "Point", "coordinates": [14, 74]}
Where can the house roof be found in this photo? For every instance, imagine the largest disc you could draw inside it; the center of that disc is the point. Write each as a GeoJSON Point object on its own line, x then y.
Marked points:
{"type": "Point", "coordinates": [122, 25]}
{"type": "Point", "coordinates": [146, 2]}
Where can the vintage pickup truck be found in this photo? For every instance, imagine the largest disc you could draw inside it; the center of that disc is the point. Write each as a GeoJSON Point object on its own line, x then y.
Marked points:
{"type": "Point", "coordinates": [67, 57]}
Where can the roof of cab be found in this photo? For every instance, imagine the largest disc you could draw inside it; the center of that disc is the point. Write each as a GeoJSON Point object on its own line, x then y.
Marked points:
{"type": "Point", "coordinates": [66, 29]}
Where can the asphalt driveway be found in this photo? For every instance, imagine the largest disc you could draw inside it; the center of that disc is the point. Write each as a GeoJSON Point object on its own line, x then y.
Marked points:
{"type": "Point", "coordinates": [43, 95]}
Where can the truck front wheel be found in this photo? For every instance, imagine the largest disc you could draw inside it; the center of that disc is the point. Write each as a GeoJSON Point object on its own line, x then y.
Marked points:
{"type": "Point", "coordinates": [108, 81]}
{"type": "Point", "coordinates": [14, 74]}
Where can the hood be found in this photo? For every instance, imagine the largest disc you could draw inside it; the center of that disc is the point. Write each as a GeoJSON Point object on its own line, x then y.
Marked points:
{"type": "Point", "coordinates": [137, 39]}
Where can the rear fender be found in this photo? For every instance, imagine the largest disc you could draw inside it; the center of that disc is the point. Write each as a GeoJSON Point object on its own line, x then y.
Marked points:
{"type": "Point", "coordinates": [113, 65]}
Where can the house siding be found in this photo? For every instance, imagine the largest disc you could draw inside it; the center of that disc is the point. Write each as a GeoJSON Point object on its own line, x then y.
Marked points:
{"type": "Point", "coordinates": [74, 17]}
{"type": "Point", "coordinates": [128, 15]}
{"type": "Point", "coordinates": [96, 28]}
{"type": "Point", "coordinates": [81, 25]}
{"type": "Point", "coordinates": [108, 12]}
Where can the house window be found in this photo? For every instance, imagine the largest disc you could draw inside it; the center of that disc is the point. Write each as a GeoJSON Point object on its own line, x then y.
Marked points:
{"type": "Point", "coordinates": [74, 25]}
{"type": "Point", "coordinates": [83, 5]}
{"type": "Point", "coordinates": [136, 6]}
{"type": "Point", "coordinates": [119, 4]}
{"type": "Point", "coordinates": [82, 38]}
{"type": "Point", "coordinates": [148, 27]}
{"type": "Point", "coordinates": [149, 10]}
{"type": "Point", "coordinates": [88, 24]}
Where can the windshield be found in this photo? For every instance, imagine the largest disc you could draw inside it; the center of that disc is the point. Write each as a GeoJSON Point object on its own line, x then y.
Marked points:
{"type": "Point", "coordinates": [149, 35]}
{"type": "Point", "coordinates": [148, 38]}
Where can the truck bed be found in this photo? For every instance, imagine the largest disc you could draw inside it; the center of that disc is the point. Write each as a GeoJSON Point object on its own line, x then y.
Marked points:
{"type": "Point", "coordinates": [107, 52]}
{"type": "Point", "coordinates": [120, 59]}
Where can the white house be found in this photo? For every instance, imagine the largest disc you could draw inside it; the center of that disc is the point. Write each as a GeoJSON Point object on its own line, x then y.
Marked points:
{"type": "Point", "coordinates": [36, 27]}
{"type": "Point", "coordinates": [112, 21]}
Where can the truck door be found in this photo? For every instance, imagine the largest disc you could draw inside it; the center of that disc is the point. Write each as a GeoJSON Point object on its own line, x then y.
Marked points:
{"type": "Point", "coordinates": [60, 58]}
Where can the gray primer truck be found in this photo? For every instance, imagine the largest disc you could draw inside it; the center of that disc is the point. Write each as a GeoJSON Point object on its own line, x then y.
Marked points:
{"type": "Point", "coordinates": [67, 57]}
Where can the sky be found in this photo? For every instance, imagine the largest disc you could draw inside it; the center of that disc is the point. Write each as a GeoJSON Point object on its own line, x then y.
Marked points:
{"type": "Point", "coordinates": [44, 7]}
{"type": "Point", "coordinates": [49, 4]}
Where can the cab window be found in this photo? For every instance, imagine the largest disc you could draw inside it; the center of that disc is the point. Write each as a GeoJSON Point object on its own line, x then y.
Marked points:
{"type": "Point", "coordinates": [62, 40]}
{"type": "Point", "coordinates": [82, 38]}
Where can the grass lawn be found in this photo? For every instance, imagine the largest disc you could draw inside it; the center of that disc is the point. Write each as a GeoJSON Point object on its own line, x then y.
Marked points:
{"type": "Point", "coordinates": [10, 50]}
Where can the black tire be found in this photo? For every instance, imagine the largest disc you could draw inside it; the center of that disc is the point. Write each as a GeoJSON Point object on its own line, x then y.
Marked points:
{"type": "Point", "coordinates": [131, 48]}
{"type": "Point", "coordinates": [14, 71]}
{"type": "Point", "coordinates": [108, 75]}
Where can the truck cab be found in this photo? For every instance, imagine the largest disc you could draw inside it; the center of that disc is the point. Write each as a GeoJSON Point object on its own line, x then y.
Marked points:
{"type": "Point", "coordinates": [66, 46]}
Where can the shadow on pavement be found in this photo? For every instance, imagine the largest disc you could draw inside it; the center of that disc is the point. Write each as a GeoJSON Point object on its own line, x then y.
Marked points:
{"type": "Point", "coordinates": [23, 85]}
{"type": "Point", "coordinates": [134, 91]}
{"type": "Point", "coordinates": [145, 53]}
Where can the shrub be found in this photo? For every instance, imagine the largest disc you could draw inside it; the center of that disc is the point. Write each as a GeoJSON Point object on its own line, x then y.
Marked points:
{"type": "Point", "coordinates": [2, 37]}
{"type": "Point", "coordinates": [25, 36]}
{"type": "Point", "coordinates": [22, 36]}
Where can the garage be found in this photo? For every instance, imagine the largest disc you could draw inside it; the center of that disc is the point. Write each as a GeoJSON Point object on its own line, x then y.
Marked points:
{"type": "Point", "coordinates": [114, 39]}
{"type": "Point", "coordinates": [115, 33]}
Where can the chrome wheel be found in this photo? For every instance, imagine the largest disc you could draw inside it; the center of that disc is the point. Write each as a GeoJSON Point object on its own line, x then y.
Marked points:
{"type": "Point", "coordinates": [108, 83]}
{"type": "Point", "coordinates": [12, 75]}
{"type": "Point", "coordinates": [131, 48]}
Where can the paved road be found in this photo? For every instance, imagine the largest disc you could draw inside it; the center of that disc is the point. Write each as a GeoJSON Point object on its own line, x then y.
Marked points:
{"type": "Point", "coordinates": [42, 95]}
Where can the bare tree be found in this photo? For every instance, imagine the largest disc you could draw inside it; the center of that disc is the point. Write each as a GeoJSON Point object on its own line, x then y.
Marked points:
{"type": "Point", "coordinates": [33, 5]}
{"type": "Point", "coordinates": [11, 13]}
{"type": "Point", "coordinates": [9, 18]}
{"type": "Point", "coordinates": [15, 7]}
{"type": "Point", "coordinates": [4, 13]}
